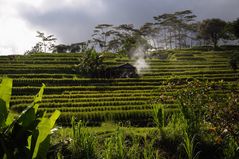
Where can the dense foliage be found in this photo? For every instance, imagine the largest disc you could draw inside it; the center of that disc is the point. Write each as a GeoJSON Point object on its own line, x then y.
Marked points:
{"type": "Point", "coordinates": [90, 64]}
{"type": "Point", "coordinates": [212, 29]}
{"type": "Point", "coordinates": [26, 135]}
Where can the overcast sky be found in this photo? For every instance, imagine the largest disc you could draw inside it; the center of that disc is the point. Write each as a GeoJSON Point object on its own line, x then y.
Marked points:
{"type": "Point", "coordinates": [74, 20]}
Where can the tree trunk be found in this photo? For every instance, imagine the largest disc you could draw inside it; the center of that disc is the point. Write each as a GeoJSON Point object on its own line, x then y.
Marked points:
{"type": "Point", "coordinates": [214, 40]}
{"type": "Point", "coordinates": [170, 39]}
{"type": "Point", "coordinates": [165, 40]}
{"type": "Point", "coordinates": [179, 38]}
{"type": "Point", "coordinates": [215, 43]}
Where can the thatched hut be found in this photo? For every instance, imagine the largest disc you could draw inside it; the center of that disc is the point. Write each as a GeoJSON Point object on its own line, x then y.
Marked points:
{"type": "Point", "coordinates": [123, 71]}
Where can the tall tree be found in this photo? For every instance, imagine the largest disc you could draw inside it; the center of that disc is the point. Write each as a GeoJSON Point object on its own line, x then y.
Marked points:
{"type": "Point", "coordinates": [213, 29]}
{"type": "Point", "coordinates": [101, 34]}
{"type": "Point", "coordinates": [61, 48]}
{"type": "Point", "coordinates": [183, 21]}
{"type": "Point", "coordinates": [235, 27]}
{"type": "Point", "coordinates": [78, 47]}
{"type": "Point", "coordinates": [165, 23]}
{"type": "Point", "coordinates": [46, 40]}
{"type": "Point", "coordinates": [129, 38]}
{"type": "Point", "coordinates": [192, 35]}
{"type": "Point", "coordinates": [150, 32]}
{"type": "Point", "coordinates": [35, 49]}
{"type": "Point", "coordinates": [176, 27]}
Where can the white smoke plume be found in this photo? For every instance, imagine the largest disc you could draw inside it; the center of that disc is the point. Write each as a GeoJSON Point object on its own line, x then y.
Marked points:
{"type": "Point", "coordinates": [139, 55]}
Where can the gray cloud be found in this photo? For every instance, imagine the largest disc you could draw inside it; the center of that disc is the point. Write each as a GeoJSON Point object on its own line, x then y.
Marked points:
{"type": "Point", "coordinates": [73, 23]}
{"type": "Point", "coordinates": [68, 24]}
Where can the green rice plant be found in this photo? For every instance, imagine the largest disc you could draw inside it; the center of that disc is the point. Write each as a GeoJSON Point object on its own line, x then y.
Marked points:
{"type": "Point", "coordinates": [120, 146]}
{"type": "Point", "coordinates": [158, 115]}
{"type": "Point", "coordinates": [189, 146]}
{"type": "Point", "coordinates": [115, 147]}
{"type": "Point", "coordinates": [135, 148]}
{"type": "Point", "coordinates": [83, 143]}
{"type": "Point", "coordinates": [149, 151]}
{"type": "Point", "coordinates": [109, 147]}
{"type": "Point", "coordinates": [175, 128]}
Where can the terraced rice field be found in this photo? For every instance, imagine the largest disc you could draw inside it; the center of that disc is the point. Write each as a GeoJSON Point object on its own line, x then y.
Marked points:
{"type": "Point", "coordinates": [122, 99]}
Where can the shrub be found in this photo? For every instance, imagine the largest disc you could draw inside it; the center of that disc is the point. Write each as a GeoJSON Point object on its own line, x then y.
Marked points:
{"type": "Point", "coordinates": [90, 64]}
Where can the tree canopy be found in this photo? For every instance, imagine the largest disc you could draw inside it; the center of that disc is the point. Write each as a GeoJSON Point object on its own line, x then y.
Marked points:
{"type": "Point", "coordinates": [168, 31]}
{"type": "Point", "coordinates": [213, 29]}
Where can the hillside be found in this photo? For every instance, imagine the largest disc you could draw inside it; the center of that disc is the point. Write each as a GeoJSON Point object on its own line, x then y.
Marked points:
{"type": "Point", "coordinates": [121, 99]}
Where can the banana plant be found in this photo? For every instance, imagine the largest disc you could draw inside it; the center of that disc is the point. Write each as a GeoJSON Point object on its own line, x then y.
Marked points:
{"type": "Point", "coordinates": [26, 135]}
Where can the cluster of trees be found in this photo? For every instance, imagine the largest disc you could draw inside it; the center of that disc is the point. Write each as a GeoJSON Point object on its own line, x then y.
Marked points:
{"type": "Point", "coordinates": [72, 48]}
{"type": "Point", "coordinates": [167, 31]}
{"type": "Point", "coordinates": [107, 37]}
{"type": "Point", "coordinates": [212, 30]}
{"type": "Point", "coordinates": [181, 30]}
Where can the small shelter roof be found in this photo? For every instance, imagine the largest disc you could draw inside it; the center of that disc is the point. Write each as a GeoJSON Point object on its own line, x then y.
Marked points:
{"type": "Point", "coordinates": [126, 66]}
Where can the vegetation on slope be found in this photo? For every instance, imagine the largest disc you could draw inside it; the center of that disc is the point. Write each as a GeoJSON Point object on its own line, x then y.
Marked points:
{"type": "Point", "coordinates": [196, 118]}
